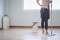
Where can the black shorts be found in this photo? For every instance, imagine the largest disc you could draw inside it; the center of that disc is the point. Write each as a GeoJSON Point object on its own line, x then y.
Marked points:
{"type": "Point", "coordinates": [44, 13]}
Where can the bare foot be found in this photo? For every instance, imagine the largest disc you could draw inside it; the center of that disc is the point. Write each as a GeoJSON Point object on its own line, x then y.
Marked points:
{"type": "Point", "coordinates": [42, 30]}
{"type": "Point", "coordinates": [46, 32]}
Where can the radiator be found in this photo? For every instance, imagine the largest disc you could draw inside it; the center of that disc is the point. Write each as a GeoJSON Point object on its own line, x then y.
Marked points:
{"type": "Point", "coordinates": [5, 22]}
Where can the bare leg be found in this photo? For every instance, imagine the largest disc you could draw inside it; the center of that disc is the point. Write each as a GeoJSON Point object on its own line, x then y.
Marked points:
{"type": "Point", "coordinates": [42, 30]}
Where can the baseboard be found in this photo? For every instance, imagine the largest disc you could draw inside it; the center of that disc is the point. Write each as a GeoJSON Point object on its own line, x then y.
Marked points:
{"type": "Point", "coordinates": [1, 28]}
{"type": "Point", "coordinates": [20, 26]}
{"type": "Point", "coordinates": [31, 26]}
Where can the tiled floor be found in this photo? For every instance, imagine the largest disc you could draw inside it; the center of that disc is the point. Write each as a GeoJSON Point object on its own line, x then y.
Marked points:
{"type": "Point", "coordinates": [26, 34]}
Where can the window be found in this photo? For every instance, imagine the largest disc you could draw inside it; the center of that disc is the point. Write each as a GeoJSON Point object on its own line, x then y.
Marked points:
{"type": "Point", "coordinates": [32, 5]}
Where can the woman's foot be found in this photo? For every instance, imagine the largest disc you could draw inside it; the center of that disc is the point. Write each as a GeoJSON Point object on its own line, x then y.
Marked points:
{"type": "Point", "coordinates": [42, 30]}
{"type": "Point", "coordinates": [46, 32]}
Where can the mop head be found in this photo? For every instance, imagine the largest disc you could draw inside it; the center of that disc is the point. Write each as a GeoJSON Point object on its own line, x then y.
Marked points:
{"type": "Point", "coordinates": [51, 34]}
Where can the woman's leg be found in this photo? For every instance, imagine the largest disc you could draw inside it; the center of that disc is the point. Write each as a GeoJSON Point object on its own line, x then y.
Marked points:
{"type": "Point", "coordinates": [46, 26]}
{"type": "Point", "coordinates": [42, 24]}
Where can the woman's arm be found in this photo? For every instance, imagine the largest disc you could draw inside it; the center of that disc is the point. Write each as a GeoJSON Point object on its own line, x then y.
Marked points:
{"type": "Point", "coordinates": [38, 2]}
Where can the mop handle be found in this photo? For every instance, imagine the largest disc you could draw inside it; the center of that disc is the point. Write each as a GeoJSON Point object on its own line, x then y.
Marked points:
{"type": "Point", "coordinates": [51, 13]}
{"type": "Point", "coordinates": [51, 19]}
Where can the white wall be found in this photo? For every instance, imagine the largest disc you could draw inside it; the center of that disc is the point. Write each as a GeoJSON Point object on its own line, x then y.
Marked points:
{"type": "Point", "coordinates": [6, 7]}
{"type": "Point", "coordinates": [1, 11]}
{"type": "Point", "coordinates": [20, 17]}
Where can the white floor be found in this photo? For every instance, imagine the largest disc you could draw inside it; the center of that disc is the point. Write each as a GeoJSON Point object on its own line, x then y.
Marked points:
{"type": "Point", "coordinates": [26, 34]}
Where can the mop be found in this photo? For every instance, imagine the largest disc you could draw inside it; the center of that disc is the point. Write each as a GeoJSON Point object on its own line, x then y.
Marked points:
{"type": "Point", "coordinates": [51, 34]}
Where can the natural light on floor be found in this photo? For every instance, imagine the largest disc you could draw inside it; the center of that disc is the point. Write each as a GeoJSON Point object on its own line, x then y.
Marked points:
{"type": "Point", "coordinates": [32, 5]}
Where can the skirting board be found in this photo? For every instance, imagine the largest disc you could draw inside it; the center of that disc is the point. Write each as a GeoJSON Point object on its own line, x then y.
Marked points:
{"type": "Point", "coordinates": [1, 28]}
{"type": "Point", "coordinates": [31, 26]}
